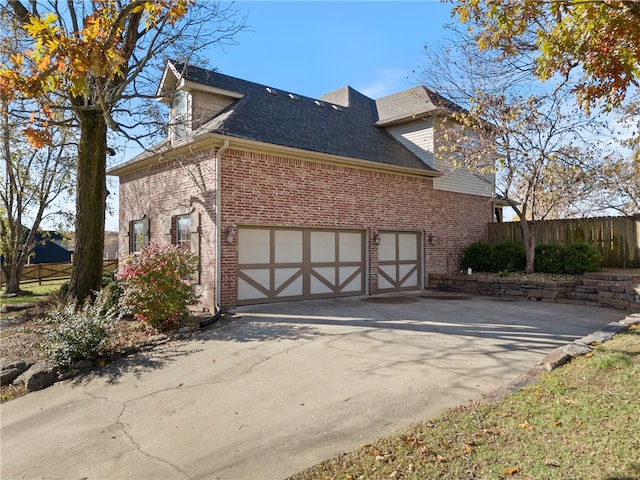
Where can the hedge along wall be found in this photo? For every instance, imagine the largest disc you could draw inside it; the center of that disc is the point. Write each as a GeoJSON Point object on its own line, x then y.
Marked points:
{"type": "Point", "coordinates": [617, 239]}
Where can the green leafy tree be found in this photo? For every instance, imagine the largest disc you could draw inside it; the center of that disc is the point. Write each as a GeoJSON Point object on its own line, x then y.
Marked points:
{"type": "Point", "coordinates": [93, 56]}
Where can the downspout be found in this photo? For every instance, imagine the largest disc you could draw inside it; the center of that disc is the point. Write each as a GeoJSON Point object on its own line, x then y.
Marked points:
{"type": "Point", "coordinates": [218, 295]}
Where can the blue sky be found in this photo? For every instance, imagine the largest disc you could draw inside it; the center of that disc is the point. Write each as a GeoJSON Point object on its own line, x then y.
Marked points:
{"type": "Point", "coordinates": [311, 48]}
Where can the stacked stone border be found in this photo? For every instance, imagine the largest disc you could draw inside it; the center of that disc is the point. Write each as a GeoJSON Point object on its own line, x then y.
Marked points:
{"type": "Point", "coordinates": [564, 354]}
{"type": "Point", "coordinates": [621, 291]}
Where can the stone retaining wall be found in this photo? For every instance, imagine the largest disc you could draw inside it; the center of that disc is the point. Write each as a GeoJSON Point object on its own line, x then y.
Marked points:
{"type": "Point", "coordinates": [620, 291]}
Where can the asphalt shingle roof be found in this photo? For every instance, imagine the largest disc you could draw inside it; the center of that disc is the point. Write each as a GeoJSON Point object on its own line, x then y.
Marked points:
{"type": "Point", "coordinates": [412, 103]}
{"type": "Point", "coordinates": [341, 123]}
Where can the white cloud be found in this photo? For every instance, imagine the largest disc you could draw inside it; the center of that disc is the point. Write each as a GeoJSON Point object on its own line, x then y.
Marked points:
{"type": "Point", "coordinates": [386, 82]}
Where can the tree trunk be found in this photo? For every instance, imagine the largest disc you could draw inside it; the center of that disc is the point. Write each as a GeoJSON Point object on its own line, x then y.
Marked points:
{"type": "Point", "coordinates": [529, 246]}
{"type": "Point", "coordinates": [91, 193]}
{"type": "Point", "coordinates": [12, 278]}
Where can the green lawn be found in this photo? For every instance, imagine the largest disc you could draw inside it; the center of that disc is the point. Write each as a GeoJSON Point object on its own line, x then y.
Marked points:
{"type": "Point", "coordinates": [581, 421]}
{"type": "Point", "coordinates": [36, 292]}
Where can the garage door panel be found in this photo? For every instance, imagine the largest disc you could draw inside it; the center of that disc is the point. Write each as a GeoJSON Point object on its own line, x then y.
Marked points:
{"type": "Point", "coordinates": [407, 247]}
{"type": "Point", "coordinates": [387, 247]}
{"type": "Point", "coordinates": [385, 281]}
{"type": "Point", "coordinates": [288, 282]}
{"type": "Point", "coordinates": [299, 264]}
{"type": "Point", "coordinates": [288, 246]}
{"type": "Point", "coordinates": [350, 247]}
{"type": "Point", "coordinates": [322, 280]}
{"type": "Point", "coordinates": [323, 247]}
{"type": "Point", "coordinates": [253, 283]}
{"type": "Point", "coordinates": [253, 245]}
{"type": "Point", "coordinates": [350, 279]}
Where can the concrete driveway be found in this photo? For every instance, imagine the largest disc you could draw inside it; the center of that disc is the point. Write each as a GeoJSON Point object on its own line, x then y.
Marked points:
{"type": "Point", "coordinates": [282, 388]}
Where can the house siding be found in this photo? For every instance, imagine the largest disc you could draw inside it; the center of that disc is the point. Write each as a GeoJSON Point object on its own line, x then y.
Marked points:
{"type": "Point", "coordinates": [418, 136]}
{"type": "Point", "coordinates": [205, 106]}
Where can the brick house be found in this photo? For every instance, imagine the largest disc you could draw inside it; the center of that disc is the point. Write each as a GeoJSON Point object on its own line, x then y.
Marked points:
{"type": "Point", "coordinates": [285, 197]}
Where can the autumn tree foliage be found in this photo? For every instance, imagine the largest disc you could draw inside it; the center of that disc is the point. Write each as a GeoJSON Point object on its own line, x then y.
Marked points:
{"type": "Point", "coordinates": [593, 45]}
{"type": "Point", "coordinates": [539, 150]}
{"type": "Point", "coordinates": [93, 57]}
{"type": "Point", "coordinates": [32, 180]}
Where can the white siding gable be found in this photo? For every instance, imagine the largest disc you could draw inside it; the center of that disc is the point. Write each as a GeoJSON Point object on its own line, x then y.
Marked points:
{"type": "Point", "coordinates": [418, 136]}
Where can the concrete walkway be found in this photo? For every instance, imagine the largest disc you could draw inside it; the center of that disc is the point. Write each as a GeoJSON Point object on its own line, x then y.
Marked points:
{"type": "Point", "coordinates": [281, 388]}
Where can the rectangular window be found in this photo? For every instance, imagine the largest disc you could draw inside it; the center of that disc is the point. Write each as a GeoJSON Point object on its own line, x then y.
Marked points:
{"type": "Point", "coordinates": [180, 116]}
{"type": "Point", "coordinates": [183, 231]}
{"type": "Point", "coordinates": [138, 235]}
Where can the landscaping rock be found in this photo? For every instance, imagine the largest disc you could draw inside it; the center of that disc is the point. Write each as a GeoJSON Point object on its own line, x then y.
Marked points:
{"type": "Point", "coordinates": [16, 308]}
{"type": "Point", "coordinates": [39, 376]}
{"type": "Point", "coordinates": [81, 364]}
{"type": "Point", "coordinates": [13, 370]}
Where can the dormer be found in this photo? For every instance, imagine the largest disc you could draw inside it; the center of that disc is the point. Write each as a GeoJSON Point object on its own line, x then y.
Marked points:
{"type": "Point", "coordinates": [191, 99]}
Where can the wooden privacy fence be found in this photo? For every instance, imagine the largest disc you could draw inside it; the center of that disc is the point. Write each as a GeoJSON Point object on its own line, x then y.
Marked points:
{"type": "Point", "coordinates": [616, 238]}
{"type": "Point", "coordinates": [55, 271]}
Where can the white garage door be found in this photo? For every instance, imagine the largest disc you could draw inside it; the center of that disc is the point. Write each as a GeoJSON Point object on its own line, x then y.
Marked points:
{"type": "Point", "coordinates": [282, 264]}
{"type": "Point", "coordinates": [399, 261]}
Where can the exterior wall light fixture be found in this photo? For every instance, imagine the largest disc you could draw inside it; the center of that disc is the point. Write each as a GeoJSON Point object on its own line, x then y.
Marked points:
{"type": "Point", "coordinates": [376, 238]}
{"type": "Point", "coordinates": [228, 235]}
{"type": "Point", "coordinates": [431, 239]}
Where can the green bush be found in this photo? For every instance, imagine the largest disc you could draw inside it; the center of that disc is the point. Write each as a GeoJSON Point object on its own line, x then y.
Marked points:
{"type": "Point", "coordinates": [478, 257]}
{"type": "Point", "coordinates": [75, 333]}
{"type": "Point", "coordinates": [549, 258]}
{"type": "Point", "coordinates": [580, 258]}
{"type": "Point", "coordinates": [508, 256]}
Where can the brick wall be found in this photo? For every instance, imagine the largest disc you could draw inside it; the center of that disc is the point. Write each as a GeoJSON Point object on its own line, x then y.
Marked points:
{"type": "Point", "coordinates": [167, 186]}
{"type": "Point", "coordinates": [260, 189]}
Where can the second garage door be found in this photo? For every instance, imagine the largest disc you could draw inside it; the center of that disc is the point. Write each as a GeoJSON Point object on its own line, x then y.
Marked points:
{"type": "Point", "coordinates": [283, 264]}
{"type": "Point", "coordinates": [399, 261]}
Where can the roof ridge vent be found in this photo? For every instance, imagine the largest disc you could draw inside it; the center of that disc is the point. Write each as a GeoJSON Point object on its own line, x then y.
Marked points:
{"type": "Point", "coordinates": [293, 97]}
{"type": "Point", "coordinates": [272, 91]}
{"type": "Point", "coordinates": [319, 103]}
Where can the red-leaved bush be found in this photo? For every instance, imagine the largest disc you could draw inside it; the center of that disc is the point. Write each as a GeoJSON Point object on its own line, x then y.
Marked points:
{"type": "Point", "coordinates": [155, 285]}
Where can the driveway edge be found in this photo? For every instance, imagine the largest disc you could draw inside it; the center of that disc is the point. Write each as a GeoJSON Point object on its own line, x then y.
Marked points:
{"type": "Point", "coordinates": [564, 354]}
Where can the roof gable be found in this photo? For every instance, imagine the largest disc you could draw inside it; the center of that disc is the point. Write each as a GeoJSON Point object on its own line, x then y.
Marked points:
{"type": "Point", "coordinates": [409, 104]}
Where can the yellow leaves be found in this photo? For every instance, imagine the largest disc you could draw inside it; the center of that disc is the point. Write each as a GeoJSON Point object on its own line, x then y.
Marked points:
{"type": "Point", "coordinates": [526, 425]}
{"type": "Point", "coordinates": [510, 470]}
{"type": "Point", "coordinates": [37, 138]}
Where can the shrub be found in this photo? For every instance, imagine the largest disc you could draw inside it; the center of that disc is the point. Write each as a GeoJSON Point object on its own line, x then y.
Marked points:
{"type": "Point", "coordinates": [74, 333]}
{"type": "Point", "coordinates": [509, 256]}
{"type": "Point", "coordinates": [155, 287]}
{"type": "Point", "coordinates": [579, 258]}
{"type": "Point", "coordinates": [549, 258]}
{"type": "Point", "coordinates": [479, 257]}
